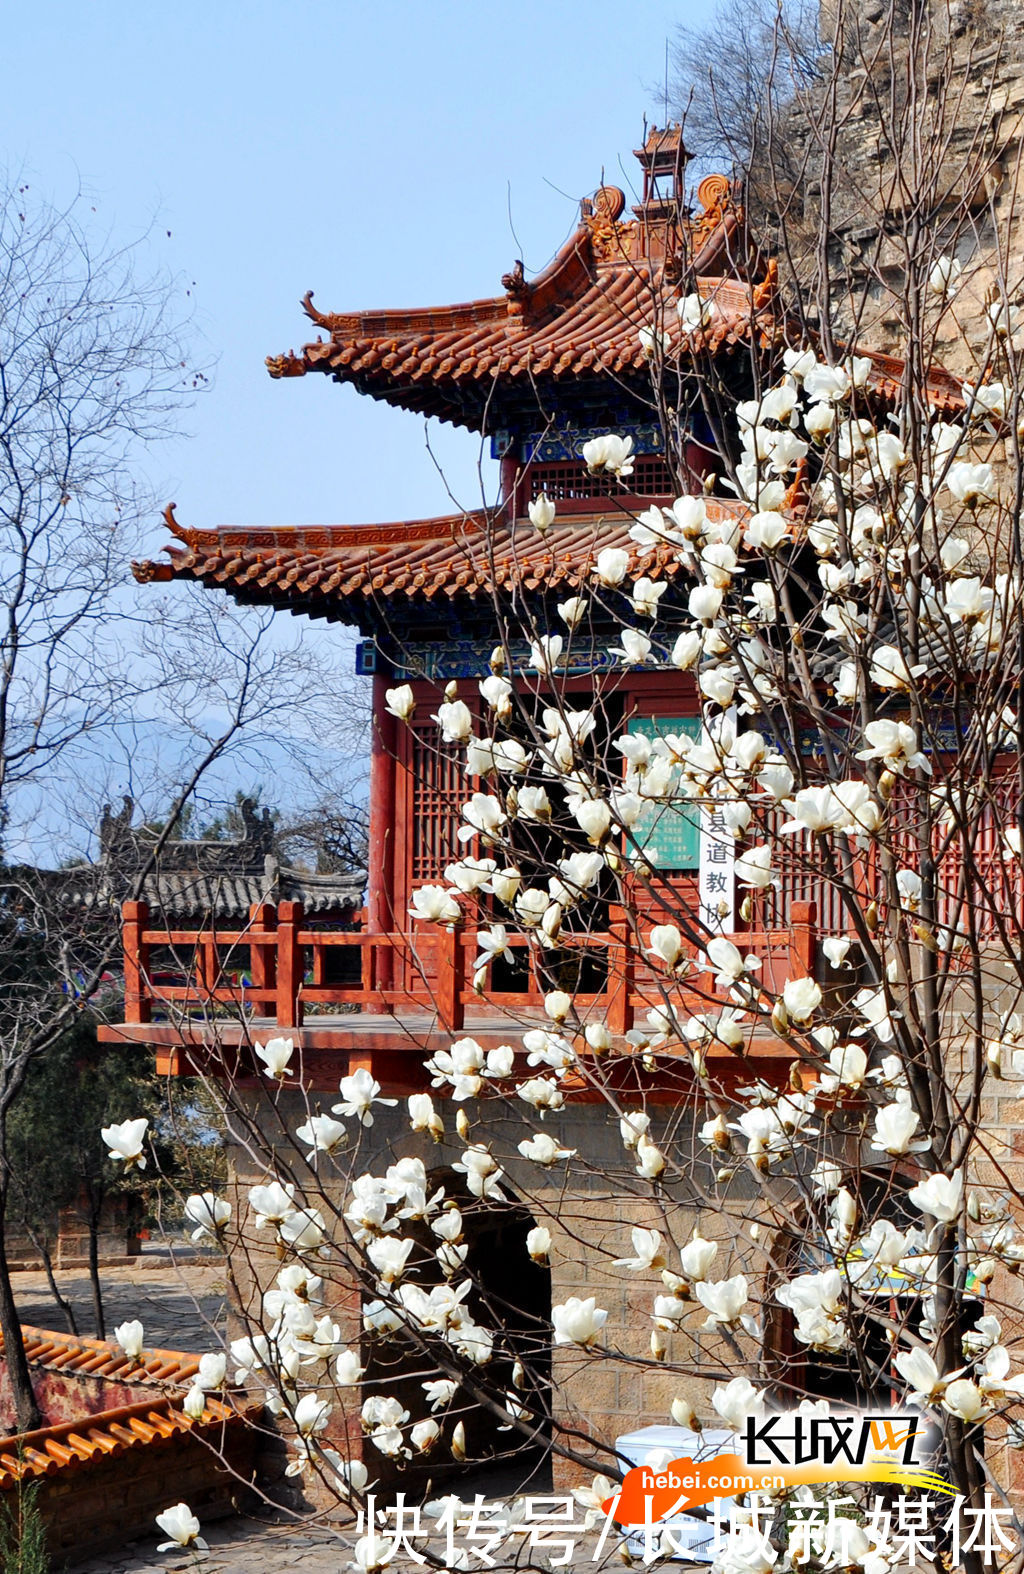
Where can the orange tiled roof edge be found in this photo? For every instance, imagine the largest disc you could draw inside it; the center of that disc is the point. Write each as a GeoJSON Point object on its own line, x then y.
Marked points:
{"type": "Point", "coordinates": [104, 1358]}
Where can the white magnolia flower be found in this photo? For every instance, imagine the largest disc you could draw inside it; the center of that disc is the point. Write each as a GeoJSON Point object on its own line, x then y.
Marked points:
{"type": "Point", "coordinates": [424, 1435]}
{"type": "Point", "coordinates": [646, 595]}
{"type": "Point", "coordinates": [835, 948]}
{"type": "Point", "coordinates": [695, 313]}
{"type": "Point", "coordinates": [945, 276]}
{"type": "Point", "coordinates": [612, 566]}
{"type": "Point", "coordinates": [131, 1338]}
{"type": "Point", "coordinates": [213, 1369]}
{"type": "Point", "coordinates": [578, 1321]}
{"type": "Point", "coordinates": [921, 1375]}
{"type": "Point", "coordinates": [542, 513]}
{"type": "Point", "coordinates": [546, 653]}
{"type": "Point", "coordinates": [400, 702]}
{"type": "Point", "coordinates": [964, 1399]}
{"type": "Point", "coordinates": [650, 1161]}
{"type": "Point", "coordinates": [389, 1257]}
{"type": "Point", "coordinates": [275, 1055]}
{"type": "Point", "coordinates": [848, 1066]}
{"type": "Point", "coordinates": [359, 1091]}
{"type": "Point", "coordinates": [696, 1258]}
{"type": "Point", "coordinates": [538, 1243]}
{"type": "Point", "coordinates": [970, 484]}
{"type": "Point", "coordinates": [724, 1299]}
{"type": "Point", "coordinates": [819, 420]}
{"type": "Point", "coordinates": [125, 1142]}
{"type": "Point", "coordinates": [889, 668]}
{"type": "Point", "coordinates": [727, 962]}
{"type": "Point", "coordinates": [609, 453]}
{"type": "Point", "coordinates": [736, 1401]}
{"type": "Point", "coordinates": [272, 1203]}
{"type": "Point", "coordinates": [895, 743]}
{"type": "Point", "coordinates": [440, 1392]}
{"type": "Point", "coordinates": [455, 721]}
{"type": "Point", "coordinates": [182, 1526]}
{"type": "Point", "coordinates": [940, 1195]}
{"type": "Point", "coordinates": [895, 1125]}
{"type": "Point", "coordinates": [423, 1116]}
{"type": "Point", "coordinates": [571, 610]}
{"type": "Point", "coordinates": [433, 904]}
{"type": "Point", "coordinates": [209, 1214]}
{"type": "Point", "coordinates": [482, 1172]}
{"type": "Point", "coordinates": [543, 1149]}
{"type": "Point", "coordinates": [322, 1134]}
{"type": "Point", "coordinates": [705, 602]}
{"type": "Point", "coordinates": [633, 648]}
{"type": "Point", "coordinates": [827, 383]}
{"type": "Point", "coordinates": [666, 943]}
{"type": "Point", "coordinates": [647, 1252]}
{"type": "Point", "coordinates": [801, 998]}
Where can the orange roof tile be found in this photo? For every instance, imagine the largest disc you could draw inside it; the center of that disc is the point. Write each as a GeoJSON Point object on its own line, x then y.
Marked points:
{"type": "Point", "coordinates": [579, 317]}
{"type": "Point", "coordinates": [70, 1443]}
{"type": "Point", "coordinates": [332, 571]}
{"type": "Point", "coordinates": [104, 1358]}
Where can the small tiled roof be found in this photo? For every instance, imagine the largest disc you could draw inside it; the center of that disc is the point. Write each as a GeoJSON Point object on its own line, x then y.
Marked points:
{"type": "Point", "coordinates": [152, 1420]}
{"type": "Point", "coordinates": [342, 569]}
{"type": "Point", "coordinates": [103, 1358]}
{"type": "Point", "coordinates": [44, 1452]}
{"type": "Point", "coordinates": [579, 318]}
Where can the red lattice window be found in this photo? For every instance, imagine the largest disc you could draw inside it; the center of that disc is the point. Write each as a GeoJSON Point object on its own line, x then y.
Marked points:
{"type": "Point", "coordinates": [439, 789]}
{"type": "Point", "coordinates": [651, 478]}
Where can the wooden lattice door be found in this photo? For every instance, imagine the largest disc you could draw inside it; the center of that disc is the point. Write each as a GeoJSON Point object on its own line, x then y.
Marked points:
{"type": "Point", "coordinates": [431, 788]}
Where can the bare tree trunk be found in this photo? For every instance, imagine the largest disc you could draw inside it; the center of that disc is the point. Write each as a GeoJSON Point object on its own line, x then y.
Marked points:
{"type": "Point", "coordinates": [67, 1311]}
{"type": "Point", "coordinates": [95, 1207]}
{"type": "Point", "coordinates": [25, 1407]}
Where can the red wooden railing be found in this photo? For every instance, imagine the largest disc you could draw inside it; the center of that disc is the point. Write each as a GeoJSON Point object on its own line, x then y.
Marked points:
{"type": "Point", "coordinates": [277, 967]}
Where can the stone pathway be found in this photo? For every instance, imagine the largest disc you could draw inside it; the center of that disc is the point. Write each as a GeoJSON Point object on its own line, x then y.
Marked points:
{"type": "Point", "coordinates": [179, 1305]}
{"type": "Point", "coordinates": [237, 1546]}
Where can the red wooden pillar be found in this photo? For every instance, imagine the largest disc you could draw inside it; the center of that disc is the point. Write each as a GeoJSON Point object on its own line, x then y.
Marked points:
{"type": "Point", "coordinates": [289, 964]}
{"type": "Point", "coordinates": [513, 487]}
{"type": "Point", "coordinates": [380, 916]}
{"type": "Point", "coordinates": [802, 918]}
{"type": "Point", "coordinates": [450, 979]}
{"type": "Point", "coordinates": [262, 953]}
{"type": "Point", "coordinates": [138, 1003]}
{"type": "Point", "coordinates": [621, 960]}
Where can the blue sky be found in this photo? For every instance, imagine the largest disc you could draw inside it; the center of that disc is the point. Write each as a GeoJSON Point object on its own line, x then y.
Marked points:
{"type": "Point", "coordinates": [384, 155]}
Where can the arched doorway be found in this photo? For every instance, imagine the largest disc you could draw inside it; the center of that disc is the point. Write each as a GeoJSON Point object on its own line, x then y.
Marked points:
{"type": "Point", "coordinates": [511, 1296]}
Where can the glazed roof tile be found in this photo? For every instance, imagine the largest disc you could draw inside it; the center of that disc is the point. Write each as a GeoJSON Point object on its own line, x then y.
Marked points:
{"type": "Point", "coordinates": [152, 1420]}
{"type": "Point", "coordinates": [104, 1358]}
{"type": "Point", "coordinates": [579, 317]}
{"type": "Point", "coordinates": [71, 1443]}
{"type": "Point", "coordinates": [333, 570]}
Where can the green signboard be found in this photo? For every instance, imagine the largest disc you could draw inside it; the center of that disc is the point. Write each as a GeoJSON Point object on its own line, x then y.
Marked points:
{"type": "Point", "coordinates": [668, 834]}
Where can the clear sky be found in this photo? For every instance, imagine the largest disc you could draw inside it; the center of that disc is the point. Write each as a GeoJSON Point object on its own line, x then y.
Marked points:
{"type": "Point", "coordinates": [383, 154]}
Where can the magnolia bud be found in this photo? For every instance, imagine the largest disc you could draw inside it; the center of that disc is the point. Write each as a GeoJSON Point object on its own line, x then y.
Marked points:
{"type": "Point", "coordinates": [871, 916]}
{"type": "Point", "coordinates": [747, 908]}
{"type": "Point", "coordinates": [462, 1125]}
{"type": "Point", "coordinates": [658, 1344]}
{"type": "Point", "coordinates": [683, 1414]}
{"type": "Point", "coordinates": [451, 691]}
{"type": "Point", "coordinates": [780, 1017]}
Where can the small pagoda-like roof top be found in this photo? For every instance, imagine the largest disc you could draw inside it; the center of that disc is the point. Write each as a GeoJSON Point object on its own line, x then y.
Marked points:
{"type": "Point", "coordinates": [345, 572]}
{"type": "Point", "coordinates": [578, 319]}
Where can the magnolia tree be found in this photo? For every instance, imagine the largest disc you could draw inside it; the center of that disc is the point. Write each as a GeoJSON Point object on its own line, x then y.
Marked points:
{"type": "Point", "coordinates": [846, 1224]}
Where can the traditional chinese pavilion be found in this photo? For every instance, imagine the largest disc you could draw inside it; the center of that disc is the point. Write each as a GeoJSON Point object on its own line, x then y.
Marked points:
{"type": "Point", "coordinates": [582, 349]}
{"type": "Point", "coordinates": [592, 345]}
